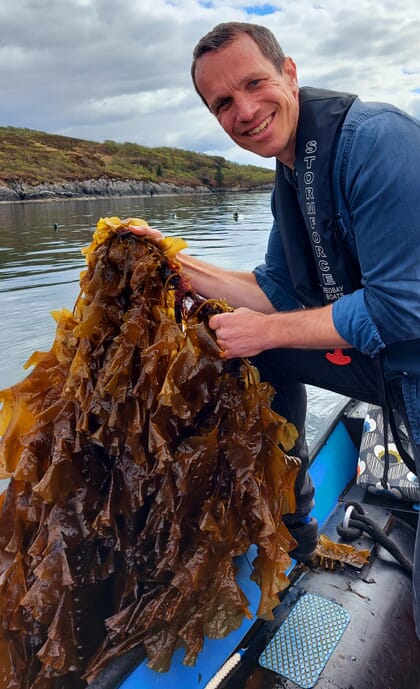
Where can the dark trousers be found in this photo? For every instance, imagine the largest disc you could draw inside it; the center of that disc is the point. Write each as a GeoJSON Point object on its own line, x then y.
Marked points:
{"type": "Point", "coordinates": [288, 370]}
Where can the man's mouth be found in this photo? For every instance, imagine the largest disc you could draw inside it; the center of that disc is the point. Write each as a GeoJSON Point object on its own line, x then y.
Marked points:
{"type": "Point", "coordinates": [261, 127]}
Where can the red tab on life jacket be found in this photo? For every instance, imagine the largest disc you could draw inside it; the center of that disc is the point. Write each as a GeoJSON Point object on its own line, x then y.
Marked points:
{"type": "Point", "coordinates": [337, 357]}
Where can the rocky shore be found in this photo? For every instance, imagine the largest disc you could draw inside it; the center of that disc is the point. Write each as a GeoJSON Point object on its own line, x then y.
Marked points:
{"type": "Point", "coordinates": [21, 191]}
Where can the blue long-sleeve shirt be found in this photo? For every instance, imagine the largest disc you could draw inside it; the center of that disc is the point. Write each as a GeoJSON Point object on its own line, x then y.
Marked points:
{"type": "Point", "coordinates": [376, 188]}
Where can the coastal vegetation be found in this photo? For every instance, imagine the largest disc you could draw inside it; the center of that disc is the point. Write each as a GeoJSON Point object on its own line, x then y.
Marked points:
{"type": "Point", "coordinates": [36, 157]}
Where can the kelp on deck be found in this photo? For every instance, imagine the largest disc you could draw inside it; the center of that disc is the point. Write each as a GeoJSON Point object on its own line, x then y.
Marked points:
{"type": "Point", "coordinates": [142, 463]}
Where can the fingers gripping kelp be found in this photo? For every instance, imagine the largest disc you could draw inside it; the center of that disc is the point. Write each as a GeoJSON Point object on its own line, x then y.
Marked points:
{"type": "Point", "coordinates": [141, 465]}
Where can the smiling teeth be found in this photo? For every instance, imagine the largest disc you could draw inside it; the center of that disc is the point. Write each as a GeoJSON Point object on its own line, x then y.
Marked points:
{"type": "Point", "coordinates": [260, 127]}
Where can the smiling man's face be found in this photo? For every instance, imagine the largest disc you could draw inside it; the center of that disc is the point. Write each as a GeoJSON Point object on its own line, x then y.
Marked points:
{"type": "Point", "coordinates": [257, 106]}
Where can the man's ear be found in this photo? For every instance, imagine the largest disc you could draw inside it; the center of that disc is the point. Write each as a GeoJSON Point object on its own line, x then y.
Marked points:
{"type": "Point", "coordinates": [290, 71]}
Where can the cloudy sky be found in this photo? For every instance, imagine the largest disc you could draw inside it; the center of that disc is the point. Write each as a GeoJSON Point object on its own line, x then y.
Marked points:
{"type": "Point", "coordinates": [120, 69]}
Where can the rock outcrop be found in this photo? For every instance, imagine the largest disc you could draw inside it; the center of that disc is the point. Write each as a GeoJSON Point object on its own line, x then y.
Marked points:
{"type": "Point", "coordinates": [104, 186]}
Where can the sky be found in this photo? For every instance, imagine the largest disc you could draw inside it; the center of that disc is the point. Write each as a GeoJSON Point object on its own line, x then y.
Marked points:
{"type": "Point", "coordinates": [120, 69]}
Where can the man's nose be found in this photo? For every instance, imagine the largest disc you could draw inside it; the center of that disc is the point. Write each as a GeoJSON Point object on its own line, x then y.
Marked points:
{"type": "Point", "coordinates": [245, 107]}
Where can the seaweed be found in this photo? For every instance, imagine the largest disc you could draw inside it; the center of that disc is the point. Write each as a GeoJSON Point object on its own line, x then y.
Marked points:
{"type": "Point", "coordinates": [141, 465]}
{"type": "Point", "coordinates": [329, 554]}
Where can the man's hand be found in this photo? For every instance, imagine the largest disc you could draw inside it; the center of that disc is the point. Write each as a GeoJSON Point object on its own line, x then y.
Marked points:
{"type": "Point", "coordinates": [146, 231]}
{"type": "Point", "coordinates": [240, 333]}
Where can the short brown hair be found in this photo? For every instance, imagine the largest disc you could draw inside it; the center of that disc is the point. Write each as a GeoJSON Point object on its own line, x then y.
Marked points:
{"type": "Point", "coordinates": [225, 33]}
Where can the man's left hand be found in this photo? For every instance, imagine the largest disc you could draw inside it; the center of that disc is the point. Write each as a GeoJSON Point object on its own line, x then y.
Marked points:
{"type": "Point", "coordinates": [240, 333]}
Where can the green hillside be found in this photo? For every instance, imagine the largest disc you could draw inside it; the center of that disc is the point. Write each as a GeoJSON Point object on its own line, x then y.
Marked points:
{"type": "Point", "coordinates": [37, 157]}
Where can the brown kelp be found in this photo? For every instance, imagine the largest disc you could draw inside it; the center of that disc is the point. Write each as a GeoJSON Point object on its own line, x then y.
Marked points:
{"type": "Point", "coordinates": [141, 465]}
{"type": "Point", "coordinates": [329, 554]}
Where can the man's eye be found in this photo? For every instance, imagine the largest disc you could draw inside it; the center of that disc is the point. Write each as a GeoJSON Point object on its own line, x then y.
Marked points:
{"type": "Point", "coordinates": [255, 82]}
{"type": "Point", "coordinates": [222, 105]}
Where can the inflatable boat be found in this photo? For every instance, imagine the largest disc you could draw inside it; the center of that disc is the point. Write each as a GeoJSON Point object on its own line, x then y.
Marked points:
{"type": "Point", "coordinates": [337, 626]}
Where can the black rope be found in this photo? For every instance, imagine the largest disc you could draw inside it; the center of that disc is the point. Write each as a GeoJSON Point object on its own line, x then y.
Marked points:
{"type": "Point", "coordinates": [361, 523]}
{"type": "Point", "coordinates": [390, 422]}
{"type": "Point", "coordinates": [385, 414]}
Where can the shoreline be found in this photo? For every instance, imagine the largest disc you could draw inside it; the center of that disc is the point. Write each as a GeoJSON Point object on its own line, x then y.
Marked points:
{"type": "Point", "coordinates": [105, 188]}
{"type": "Point", "coordinates": [86, 197]}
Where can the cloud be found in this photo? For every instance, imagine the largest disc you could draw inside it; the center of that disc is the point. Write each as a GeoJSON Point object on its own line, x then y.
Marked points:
{"type": "Point", "coordinates": [99, 70]}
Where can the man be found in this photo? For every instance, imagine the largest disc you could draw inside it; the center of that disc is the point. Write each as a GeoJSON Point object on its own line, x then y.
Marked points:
{"type": "Point", "coordinates": [337, 302]}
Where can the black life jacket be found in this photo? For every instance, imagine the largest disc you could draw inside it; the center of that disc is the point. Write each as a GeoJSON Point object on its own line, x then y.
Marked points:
{"type": "Point", "coordinates": [321, 270]}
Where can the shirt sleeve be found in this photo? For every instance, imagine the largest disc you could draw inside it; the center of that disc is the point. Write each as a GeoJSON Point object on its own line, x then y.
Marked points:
{"type": "Point", "coordinates": [380, 217]}
{"type": "Point", "coordinates": [353, 322]}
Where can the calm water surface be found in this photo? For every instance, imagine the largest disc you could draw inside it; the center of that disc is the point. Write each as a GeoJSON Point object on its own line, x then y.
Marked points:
{"type": "Point", "coordinates": [40, 260]}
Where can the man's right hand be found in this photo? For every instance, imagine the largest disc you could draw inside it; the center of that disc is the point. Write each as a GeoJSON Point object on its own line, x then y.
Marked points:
{"type": "Point", "coordinates": [146, 231]}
